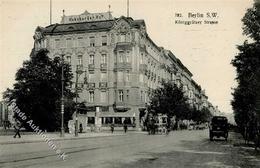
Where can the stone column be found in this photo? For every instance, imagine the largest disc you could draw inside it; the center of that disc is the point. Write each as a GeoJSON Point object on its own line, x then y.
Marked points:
{"type": "Point", "coordinates": [97, 120]}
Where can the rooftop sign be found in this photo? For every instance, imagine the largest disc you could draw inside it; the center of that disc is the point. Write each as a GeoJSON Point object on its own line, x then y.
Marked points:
{"type": "Point", "coordinates": [86, 17]}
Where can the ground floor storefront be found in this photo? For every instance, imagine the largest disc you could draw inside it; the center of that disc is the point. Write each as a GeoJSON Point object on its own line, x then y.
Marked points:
{"type": "Point", "coordinates": [98, 120]}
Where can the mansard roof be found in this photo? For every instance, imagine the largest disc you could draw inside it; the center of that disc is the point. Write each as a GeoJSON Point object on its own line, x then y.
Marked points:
{"type": "Point", "coordinates": [95, 26]}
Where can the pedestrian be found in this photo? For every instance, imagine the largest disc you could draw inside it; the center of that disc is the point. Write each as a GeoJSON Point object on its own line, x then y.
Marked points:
{"type": "Point", "coordinates": [17, 126]}
{"type": "Point", "coordinates": [153, 126]}
{"type": "Point", "coordinates": [125, 126]}
{"type": "Point", "coordinates": [80, 128]}
{"type": "Point", "coordinates": [112, 127]}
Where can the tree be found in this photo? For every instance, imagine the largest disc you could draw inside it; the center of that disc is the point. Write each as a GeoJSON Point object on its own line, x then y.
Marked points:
{"type": "Point", "coordinates": [170, 100]}
{"type": "Point", "coordinates": [201, 116]}
{"type": "Point", "coordinates": [247, 63]}
{"type": "Point", "coordinates": [37, 91]}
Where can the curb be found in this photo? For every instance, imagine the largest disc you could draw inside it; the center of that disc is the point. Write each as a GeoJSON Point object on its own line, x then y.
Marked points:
{"type": "Point", "coordinates": [60, 139]}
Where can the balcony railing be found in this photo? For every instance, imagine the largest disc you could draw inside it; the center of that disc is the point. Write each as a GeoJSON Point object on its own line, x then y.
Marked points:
{"type": "Point", "coordinates": [91, 67]}
{"type": "Point", "coordinates": [91, 85]}
{"type": "Point", "coordinates": [122, 65]}
{"type": "Point", "coordinates": [120, 107]}
{"type": "Point", "coordinates": [103, 67]}
{"type": "Point", "coordinates": [103, 84]}
{"type": "Point", "coordinates": [123, 46]}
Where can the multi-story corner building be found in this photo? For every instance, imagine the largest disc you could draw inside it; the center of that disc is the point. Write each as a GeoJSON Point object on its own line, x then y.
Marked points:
{"type": "Point", "coordinates": [117, 64]}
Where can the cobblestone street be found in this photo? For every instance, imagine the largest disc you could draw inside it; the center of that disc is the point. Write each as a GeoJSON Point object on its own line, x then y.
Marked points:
{"type": "Point", "coordinates": [178, 149]}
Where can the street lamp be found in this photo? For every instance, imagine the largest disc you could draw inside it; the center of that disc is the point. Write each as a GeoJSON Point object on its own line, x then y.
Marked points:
{"type": "Point", "coordinates": [76, 100]}
{"type": "Point", "coordinates": [62, 97]}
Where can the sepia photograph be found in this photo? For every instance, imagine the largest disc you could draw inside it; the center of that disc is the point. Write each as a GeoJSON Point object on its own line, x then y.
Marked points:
{"type": "Point", "coordinates": [129, 83]}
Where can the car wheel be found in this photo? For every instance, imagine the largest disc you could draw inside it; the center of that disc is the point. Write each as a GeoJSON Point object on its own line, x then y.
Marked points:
{"type": "Point", "coordinates": [226, 136]}
{"type": "Point", "coordinates": [211, 137]}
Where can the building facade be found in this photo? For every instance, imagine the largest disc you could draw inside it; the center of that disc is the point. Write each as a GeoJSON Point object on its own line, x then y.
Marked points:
{"type": "Point", "coordinates": [116, 64]}
{"type": "Point", "coordinates": [6, 114]}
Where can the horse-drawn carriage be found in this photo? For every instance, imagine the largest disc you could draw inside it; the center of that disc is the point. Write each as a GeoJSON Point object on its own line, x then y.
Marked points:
{"type": "Point", "coordinates": [158, 125]}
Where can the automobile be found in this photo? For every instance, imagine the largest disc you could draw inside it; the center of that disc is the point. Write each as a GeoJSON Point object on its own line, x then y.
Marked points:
{"type": "Point", "coordinates": [191, 126]}
{"type": "Point", "coordinates": [218, 127]}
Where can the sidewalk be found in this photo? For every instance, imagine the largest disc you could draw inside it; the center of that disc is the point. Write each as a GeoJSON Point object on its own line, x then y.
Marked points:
{"type": "Point", "coordinates": [8, 139]}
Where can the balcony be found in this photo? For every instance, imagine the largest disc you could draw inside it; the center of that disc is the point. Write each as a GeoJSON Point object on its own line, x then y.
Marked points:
{"type": "Point", "coordinates": [91, 85]}
{"type": "Point", "coordinates": [123, 46]}
{"type": "Point", "coordinates": [143, 68]}
{"type": "Point", "coordinates": [122, 66]}
{"type": "Point", "coordinates": [80, 87]}
{"type": "Point", "coordinates": [103, 67]}
{"type": "Point", "coordinates": [103, 85]}
{"type": "Point", "coordinates": [120, 107]}
{"type": "Point", "coordinates": [91, 67]}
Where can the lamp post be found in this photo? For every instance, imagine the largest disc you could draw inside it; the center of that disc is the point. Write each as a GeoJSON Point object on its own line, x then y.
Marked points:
{"type": "Point", "coordinates": [76, 100]}
{"type": "Point", "coordinates": [62, 97]}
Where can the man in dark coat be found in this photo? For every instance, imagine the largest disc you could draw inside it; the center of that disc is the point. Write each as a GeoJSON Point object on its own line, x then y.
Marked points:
{"type": "Point", "coordinates": [17, 126]}
{"type": "Point", "coordinates": [125, 126]}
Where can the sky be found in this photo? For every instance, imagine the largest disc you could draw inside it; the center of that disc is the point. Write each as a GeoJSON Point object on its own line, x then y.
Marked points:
{"type": "Point", "coordinates": [205, 49]}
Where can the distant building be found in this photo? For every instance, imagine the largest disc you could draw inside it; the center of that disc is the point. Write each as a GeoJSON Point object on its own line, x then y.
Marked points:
{"type": "Point", "coordinates": [118, 65]}
{"type": "Point", "coordinates": [6, 113]}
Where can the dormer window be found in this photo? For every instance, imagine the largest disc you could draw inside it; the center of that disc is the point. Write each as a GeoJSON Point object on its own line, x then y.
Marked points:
{"type": "Point", "coordinates": [70, 27]}
{"type": "Point", "coordinates": [92, 41]}
{"type": "Point", "coordinates": [122, 38]}
{"type": "Point", "coordinates": [93, 26]}
{"type": "Point", "coordinates": [104, 40]}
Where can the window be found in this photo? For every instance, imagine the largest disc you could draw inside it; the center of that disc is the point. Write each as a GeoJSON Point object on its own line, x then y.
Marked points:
{"type": "Point", "coordinates": [103, 58]}
{"type": "Point", "coordinates": [185, 88]}
{"type": "Point", "coordinates": [108, 120]}
{"type": "Point", "coordinates": [141, 78]}
{"type": "Point", "coordinates": [104, 40]}
{"type": "Point", "coordinates": [120, 56]}
{"type": "Point", "coordinates": [122, 38]}
{"type": "Point", "coordinates": [128, 37]}
{"type": "Point", "coordinates": [57, 43]}
{"type": "Point", "coordinates": [91, 59]}
{"type": "Point", "coordinates": [103, 96]}
{"type": "Point", "coordinates": [142, 58]}
{"type": "Point", "coordinates": [91, 120]}
{"type": "Point", "coordinates": [69, 43]}
{"type": "Point", "coordinates": [91, 77]}
{"type": "Point", "coordinates": [127, 95]}
{"type": "Point", "coordinates": [91, 96]}
{"type": "Point", "coordinates": [120, 95]}
{"type": "Point", "coordinates": [141, 95]}
{"type": "Point", "coordinates": [80, 60]}
{"type": "Point", "coordinates": [118, 120]}
{"type": "Point", "coordinates": [120, 76]}
{"type": "Point", "coordinates": [92, 41]}
{"type": "Point", "coordinates": [127, 76]}
{"type": "Point", "coordinates": [80, 42]}
{"type": "Point", "coordinates": [178, 83]}
{"type": "Point", "coordinates": [127, 120]}
{"type": "Point", "coordinates": [103, 76]}
{"type": "Point", "coordinates": [190, 94]}
{"type": "Point", "coordinates": [127, 56]}
{"type": "Point", "coordinates": [68, 58]}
